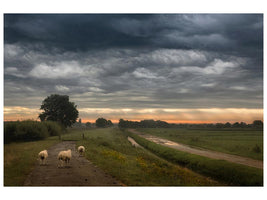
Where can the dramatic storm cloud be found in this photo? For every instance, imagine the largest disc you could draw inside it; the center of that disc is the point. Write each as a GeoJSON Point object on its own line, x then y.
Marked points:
{"type": "Point", "coordinates": [172, 67]}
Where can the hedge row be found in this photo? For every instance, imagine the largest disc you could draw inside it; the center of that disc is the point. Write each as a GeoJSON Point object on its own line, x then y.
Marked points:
{"type": "Point", "coordinates": [30, 130]}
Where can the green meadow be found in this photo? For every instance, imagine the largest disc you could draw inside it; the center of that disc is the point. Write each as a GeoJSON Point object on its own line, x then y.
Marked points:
{"type": "Point", "coordinates": [220, 170]}
{"type": "Point", "coordinates": [110, 150]}
{"type": "Point", "coordinates": [153, 165]}
{"type": "Point", "coordinates": [243, 142]}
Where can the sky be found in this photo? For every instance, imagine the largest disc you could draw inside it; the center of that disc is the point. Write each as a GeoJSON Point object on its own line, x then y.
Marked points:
{"type": "Point", "coordinates": [180, 68]}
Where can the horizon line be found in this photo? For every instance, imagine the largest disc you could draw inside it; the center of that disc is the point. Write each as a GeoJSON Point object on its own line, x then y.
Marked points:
{"type": "Point", "coordinates": [168, 121]}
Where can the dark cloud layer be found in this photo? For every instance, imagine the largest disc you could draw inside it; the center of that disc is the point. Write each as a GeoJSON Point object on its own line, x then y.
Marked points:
{"type": "Point", "coordinates": [135, 60]}
{"type": "Point", "coordinates": [239, 32]}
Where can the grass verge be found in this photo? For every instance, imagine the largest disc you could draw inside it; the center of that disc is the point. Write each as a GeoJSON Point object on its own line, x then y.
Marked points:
{"type": "Point", "coordinates": [243, 142]}
{"type": "Point", "coordinates": [20, 159]}
{"type": "Point", "coordinates": [110, 150]}
{"type": "Point", "coordinates": [223, 171]}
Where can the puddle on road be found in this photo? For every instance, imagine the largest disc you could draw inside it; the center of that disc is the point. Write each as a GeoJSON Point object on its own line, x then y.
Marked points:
{"type": "Point", "coordinates": [172, 143]}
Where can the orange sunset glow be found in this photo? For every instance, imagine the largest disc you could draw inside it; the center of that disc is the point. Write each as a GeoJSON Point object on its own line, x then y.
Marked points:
{"type": "Point", "coordinates": [207, 115]}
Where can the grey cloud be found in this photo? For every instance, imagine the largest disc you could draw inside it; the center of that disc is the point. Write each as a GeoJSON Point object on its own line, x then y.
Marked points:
{"type": "Point", "coordinates": [135, 61]}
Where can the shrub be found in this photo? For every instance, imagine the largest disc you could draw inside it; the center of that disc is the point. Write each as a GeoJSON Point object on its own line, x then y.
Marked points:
{"type": "Point", "coordinates": [31, 130]}
{"type": "Point", "coordinates": [256, 149]}
{"type": "Point", "coordinates": [24, 131]}
{"type": "Point", "coordinates": [53, 128]}
{"type": "Point", "coordinates": [9, 131]}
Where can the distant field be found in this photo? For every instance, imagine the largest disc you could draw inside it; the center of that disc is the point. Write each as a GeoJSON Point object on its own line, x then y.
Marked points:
{"type": "Point", "coordinates": [110, 150]}
{"type": "Point", "coordinates": [221, 170]}
{"type": "Point", "coordinates": [242, 142]}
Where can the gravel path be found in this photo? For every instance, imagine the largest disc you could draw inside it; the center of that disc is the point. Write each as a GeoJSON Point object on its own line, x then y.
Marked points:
{"type": "Point", "coordinates": [207, 153]}
{"type": "Point", "coordinates": [79, 172]}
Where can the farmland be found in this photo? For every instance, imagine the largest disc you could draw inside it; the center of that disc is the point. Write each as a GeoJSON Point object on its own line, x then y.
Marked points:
{"type": "Point", "coordinates": [243, 142]}
{"type": "Point", "coordinates": [222, 171]}
{"type": "Point", "coordinates": [110, 150]}
{"type": "Point", "coordinates": [154, 165]}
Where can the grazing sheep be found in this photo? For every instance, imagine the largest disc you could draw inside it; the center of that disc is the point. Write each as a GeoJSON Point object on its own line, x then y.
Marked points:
{"type": "Point", "coordinates": [81, 150]}
{"type": "Point", "coordinates": [42, 157]}
{"type": "Point", "coordinates": [64, 156]}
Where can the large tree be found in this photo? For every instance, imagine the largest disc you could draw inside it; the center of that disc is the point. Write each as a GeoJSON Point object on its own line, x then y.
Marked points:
{"type": "Point", "coordinates": [58, 108]}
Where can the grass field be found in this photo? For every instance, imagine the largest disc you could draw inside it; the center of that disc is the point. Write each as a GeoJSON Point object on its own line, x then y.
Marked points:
{"type": "Point", "coordinates": [110, 150]}
{"type": "Point", "coordinates": [20, 159]}
{"type": "Point", "coordinates": [223, 171]}
{"type": "Point", "coordinates": [242, 142]}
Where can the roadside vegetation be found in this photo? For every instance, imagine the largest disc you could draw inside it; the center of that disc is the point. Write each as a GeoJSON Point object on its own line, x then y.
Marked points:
{"type": "Point", "coordinates": [245, 142]}
{"type": "Point", "coordinates": [20, 159]}
{"type": "Point", "coordinates": [110, 150]}
{"type": "Point", "coordinates": [29, 130]}
{"type": "Point", "coordinates": [220, 170]}
{"type": "Point", "coordinates": [23, 141]}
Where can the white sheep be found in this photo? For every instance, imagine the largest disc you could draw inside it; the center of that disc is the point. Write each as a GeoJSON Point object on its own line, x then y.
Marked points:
{"type": "Point", "coordinates": [42, 157]}
{"type": "Point", "coordinates": [81, 150]}
{"type": "Point", "coordinates": [64, 156]}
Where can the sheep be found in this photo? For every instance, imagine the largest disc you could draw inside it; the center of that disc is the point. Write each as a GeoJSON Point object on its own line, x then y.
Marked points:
{"type": "Point", "coordinates": [64, 156]}
{"type": "Point", "coordinates": [42, 157]}
{"type": "Point", "coordinates": [81, 150]}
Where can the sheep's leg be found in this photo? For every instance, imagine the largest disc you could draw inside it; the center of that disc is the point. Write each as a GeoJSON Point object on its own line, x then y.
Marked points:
{"type": "Point", "coordinates": [60, 164]}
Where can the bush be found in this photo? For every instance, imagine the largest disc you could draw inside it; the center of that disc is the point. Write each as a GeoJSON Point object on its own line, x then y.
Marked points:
{"type": "Point", "coordinates": [29, 130]}
{"type": "Point", "coordinates": [54, 129]}
{"type": "Point", "coordinates": [256, 149]}
{"type": "Point", "coordinates": [9, 131]}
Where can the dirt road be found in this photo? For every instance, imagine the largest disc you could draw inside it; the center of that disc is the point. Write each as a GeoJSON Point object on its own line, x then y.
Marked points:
{"type": "Point", "coordinates": [80, 171]}
{"type": "Point", "coordinates": [207, 153]}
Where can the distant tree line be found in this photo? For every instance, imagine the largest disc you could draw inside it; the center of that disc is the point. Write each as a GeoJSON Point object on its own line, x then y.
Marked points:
{"type": "Point", "coordinates": [143, 124]}
{"type": "Point", "coordinates": [162, 124]}
{"type": "Point", "coordinates": [103, 123]}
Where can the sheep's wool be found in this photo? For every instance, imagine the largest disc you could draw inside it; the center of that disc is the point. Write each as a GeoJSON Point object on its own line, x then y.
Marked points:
{"type": "Point", "coordinates": [81, 149]}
